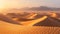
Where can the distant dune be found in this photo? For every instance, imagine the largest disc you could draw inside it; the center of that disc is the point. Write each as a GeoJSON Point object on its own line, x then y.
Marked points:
{"type": "Point", "coordinates": [7, 19]}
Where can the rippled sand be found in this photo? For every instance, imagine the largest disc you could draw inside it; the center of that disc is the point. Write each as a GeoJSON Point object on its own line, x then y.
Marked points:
{"type": "Point", "coordinates": [7, 28]}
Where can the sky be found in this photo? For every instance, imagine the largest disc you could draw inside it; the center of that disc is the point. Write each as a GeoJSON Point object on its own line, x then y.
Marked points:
{"type": "Point", "coordinates": [28, 3]}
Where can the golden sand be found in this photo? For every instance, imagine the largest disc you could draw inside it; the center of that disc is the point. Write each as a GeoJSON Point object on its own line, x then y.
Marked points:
{"type": "Point", "coordinates": [7, 28]}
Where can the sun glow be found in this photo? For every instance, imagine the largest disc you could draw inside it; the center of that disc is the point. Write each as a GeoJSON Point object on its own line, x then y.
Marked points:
{"type": "Point", "coordinates": [2, 4]}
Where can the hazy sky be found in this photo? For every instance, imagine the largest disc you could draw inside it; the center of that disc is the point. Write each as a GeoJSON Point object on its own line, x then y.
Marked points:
{"type": "Point", "coordinates": [28, 3]}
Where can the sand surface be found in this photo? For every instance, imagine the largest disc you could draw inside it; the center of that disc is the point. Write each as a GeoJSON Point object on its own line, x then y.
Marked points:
{"type": "Point", "coordinates": [7, 28]}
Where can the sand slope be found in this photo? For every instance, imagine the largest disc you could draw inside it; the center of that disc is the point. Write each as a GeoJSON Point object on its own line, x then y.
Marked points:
{"type": "Point", "coordinates": [7, 28]}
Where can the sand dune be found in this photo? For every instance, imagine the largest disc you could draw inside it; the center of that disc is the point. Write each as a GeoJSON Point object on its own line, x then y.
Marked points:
{"type": "Point", "coordinates": [7, 19]}
{"type": "Point", "coordinates": [32, 22]}
{"type": "Point", "coordinates": [7, 28]}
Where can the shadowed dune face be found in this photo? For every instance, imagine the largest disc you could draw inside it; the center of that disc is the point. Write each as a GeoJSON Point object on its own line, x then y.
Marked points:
{"type": "Point", "coordinates": [7, 19]}
{"type": "Point", "coordinates": [50, 21]}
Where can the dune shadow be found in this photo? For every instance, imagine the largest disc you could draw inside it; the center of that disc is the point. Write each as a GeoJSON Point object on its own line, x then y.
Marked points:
{"type": "Point", "coordinates": [48, 23]}
{"type": "Point", "coordinates": [7, 19]}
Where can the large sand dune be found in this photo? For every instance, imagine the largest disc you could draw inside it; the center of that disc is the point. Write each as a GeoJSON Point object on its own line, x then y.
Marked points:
{"type": "Point", "coordinates": [7, 28]}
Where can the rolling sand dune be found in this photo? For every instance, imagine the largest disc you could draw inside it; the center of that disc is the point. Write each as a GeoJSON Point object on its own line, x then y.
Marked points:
{"type": "Point", "coordinates": [32, 22]}
{"type": "Point", "coordinates": [47, 25]}
{"type": "Point", "coordinates": [7, 19]}
{"type": "Point", "coordinates": [49, 22]}
{"type": "Point", "coordinates": [7, 28]}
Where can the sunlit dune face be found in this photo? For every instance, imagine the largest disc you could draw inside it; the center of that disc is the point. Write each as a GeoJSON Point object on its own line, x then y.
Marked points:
{"type": "Point", "coordinates": [52, 14]}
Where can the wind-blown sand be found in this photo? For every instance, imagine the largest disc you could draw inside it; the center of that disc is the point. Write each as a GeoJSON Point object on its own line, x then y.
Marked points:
{"type": "Point", "coordinates": [7, 28]}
